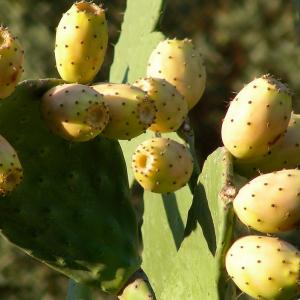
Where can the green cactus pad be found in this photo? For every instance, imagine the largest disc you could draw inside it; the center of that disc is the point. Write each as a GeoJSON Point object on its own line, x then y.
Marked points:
{"type": "Point", "coordinates": [137, 40]}
{"type": "Point", "coordinates": [198, 269]}
{"type": "Point", "coordinates": [67, 212]}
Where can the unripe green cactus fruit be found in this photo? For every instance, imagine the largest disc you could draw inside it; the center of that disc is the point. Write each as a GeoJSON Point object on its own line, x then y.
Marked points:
{"type": "Point", "coordinates": [11, 62]}
{"type": "Point", "coordinates": [131, 111]}
{"type": "Point", "coordinates": [162, 165]}
{"type": "Point", "coordinates": [181, 64]}
{"type": "Point", "coordinates": [285, 154]}
{"type": "Point", "coordinates": [81, 42]}
{"type": "Point", "coordinates": [270, 202]}
{"type": "Point", "coordinates": [74, 111]}
{"type": "Point", "coordinates": [11, 172]}
{"type": "Point", "coordinates": [257, 118]}
{"type": "Point", "coordinates": [266, 268]}
{"type": "Point", "coordinates": [171, 106]}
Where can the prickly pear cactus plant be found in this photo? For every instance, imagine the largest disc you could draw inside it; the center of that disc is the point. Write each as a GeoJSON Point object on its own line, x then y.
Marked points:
{"type": "Point", "coordinates": [64, 184]}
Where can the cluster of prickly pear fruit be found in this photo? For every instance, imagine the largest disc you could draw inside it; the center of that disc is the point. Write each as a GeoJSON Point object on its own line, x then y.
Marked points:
{"type": "Point", "coordinates": [75, 192]}
{"type": "Point", "coordinates": [259, 129]}
{"type": "Point", "coordinates": [88, 218]}
{"type": "Point", "coordinates": [159, 102]}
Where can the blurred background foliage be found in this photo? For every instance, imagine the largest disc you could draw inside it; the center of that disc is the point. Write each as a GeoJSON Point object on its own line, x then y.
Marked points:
{"type": "Point", "coordinates": [240, 40]}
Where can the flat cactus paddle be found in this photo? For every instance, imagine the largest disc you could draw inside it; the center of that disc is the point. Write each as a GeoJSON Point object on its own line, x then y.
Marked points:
{"type": "Point", "coordinates": [68, 212]}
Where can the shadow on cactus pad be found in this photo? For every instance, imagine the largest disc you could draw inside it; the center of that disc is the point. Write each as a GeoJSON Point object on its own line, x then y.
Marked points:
{"type": "Point", "coordinates": [72, 209]}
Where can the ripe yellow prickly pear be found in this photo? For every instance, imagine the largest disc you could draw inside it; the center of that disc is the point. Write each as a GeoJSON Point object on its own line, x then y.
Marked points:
{"type": "Point", "coordinates": [284, 155]}
{"type": "Point", "coordinates": [257, 118]}
{"type": "Point", "coordinates": [266, 268]}
{"type": "Point", "coordinates": [171, 106]}
{"type": "Point", "coordinates": [181, 64]}
{"type": "Point", "coordinates": [131, 111]}
{"type": "Point", "coordinates": [162, 165]}
{"type": "Point", "coordinates": [75, 112]}
{"type": "Point", "coordinates": [11, 172]}
{"type": "Point", "coordinates": [81, 42]}
{"type": "Point", "coordinates": [271, 202]}
{"type": "Point", "coordinates": [11, 62]}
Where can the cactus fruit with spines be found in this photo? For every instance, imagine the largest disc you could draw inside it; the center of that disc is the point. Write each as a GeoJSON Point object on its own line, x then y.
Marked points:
{"type": "Point", "coordinates": [180, 63]}
{"type": "Point", "coordinates": [171, 106]}
{"type": "Point", "coordinates": [257, 118]}
{"type": "Point", "coordinates": [265, 267]}
{"type": "Point", "coordinates": [75, 112]}
{"type": "Point", "coordinates": [131, 111]}
{"type": "Point", "coordinates": [270, 202]}
{"type": "Point", "coordinates": [284, 155]}
{"type": "Point", "coordinates": [162, 165]}
{"type": "Point", "coordinates": [81, 42]}
{"type": "Point", "coordinates": [11, 62]}
{"type": "Point", "coordinates": [11, 171]}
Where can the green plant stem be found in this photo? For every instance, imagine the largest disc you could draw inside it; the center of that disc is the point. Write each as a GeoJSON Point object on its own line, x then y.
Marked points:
{"type": "Point", "coordinates": [78, 292]}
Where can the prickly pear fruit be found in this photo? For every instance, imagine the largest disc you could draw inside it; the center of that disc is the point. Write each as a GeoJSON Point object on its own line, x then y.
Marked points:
{"type": "Point", "coordinates": [257, 118]}
{"type": "Point", "coordinates": [131, 111]}
{"type": "Point", "coordinates": [72, 210]}
{"type": "Point", "coordinates": [81, 42]}
{"type": "Point", "coordinates": [171, 107]}
{"type": "Point", "coordinates": [75, 112]}
{"type": "Point", "coordinates": [181, 64]}
{"type": "Point", "coordinates": [265, 268]}
{"type": "Point", "coordinates": [284, 155]}
{"type": "Point", "coordinates": [162, 165]}
{"type": "Point", "coordinates": [11, 172]}
{"type": "Point", "coordinates": [270, 202]}
{"type": "Point", "coordinates": [11, 62]}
